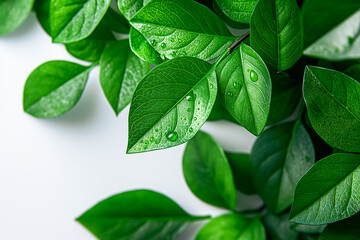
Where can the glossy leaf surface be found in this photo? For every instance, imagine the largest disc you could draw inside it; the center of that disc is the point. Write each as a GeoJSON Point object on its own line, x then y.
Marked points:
{"type": "Point", "coordinates": [332, 100]}
{"type": "Point", "coordinates": [13, 13]}
{"type": "Point", "coordinates": [74, 20]}
{"type": "Point", "coordinates": [280, 157]}
{"type": "Point", "coordinates": [115, 21]}
{"type": "Point", "coordinates": [278, 227]}
{"type": "Point", "coordinates": [170, 104]}
{"type": "Point", "coordinates": [135, 215]}
{"type": "Point", "coordinates": [207, 171]}
{"type": "Point", "coordinates": [120, 72]}
{"type": "Point", "coordinates": [245, 88]}
{"type": "Point", "coordinates": [233, 226]}
{"type": "Point", "coordinates": [242, 172]}
{"type": "Point", "coordinates": [321, 16]}
{"type": "Point", "coordinates": [348, 229]}
{"type": "Point", "coordinates": [42, 10]}
{"type": "Point", "coordinates": [182, 28]}
{"type": "Point", "coordinates": [54, 88]}
{"type": "Point", "coordinates": [276, 32]}
{"type": "Point", "coordinates": [130, 7]}
{"type": "Point", "coordinates": [342, 43]}
{"type": "Point", "coordinates": [329, 191]}
{"type": "Point", "coordinates": [239, 11]}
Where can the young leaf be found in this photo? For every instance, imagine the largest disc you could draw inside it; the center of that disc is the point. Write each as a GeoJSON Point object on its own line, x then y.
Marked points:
{"type": "Point", "coordinates": [348, 229]}
{"type": "Point", "coordinates": [53, 88]}
{"type": "Point", "coordinates": [208, 173]}
{"type": "Point", "coordinates": [120, 72]}
{"type": "Point", "coordinates": [329, 191]}
{"type": "Point", "coordinates": [13, 13]}
{"type": "Point", "coordinates": [91, 48]}
{"type": "Point", "coordinates": [233, 226]}
{"type": "Point", "coordinates": [239, 11]}
{"type": "Point", "coordinates": [142, 48]}
{"type": "Point", "coordinates": [74, 20]}
{"type": "Point", "coordinates": [280, 157]}
{"type": "Point", "coordinates": [320, 16]}
{"type": "Point", "coordinates": [182, 28]}
{"type": "Point", "coordinates": [332, 100]}
{"type": "Point", "coordinates": [278, 227]}
{"type": "Point", "coordinates": [170, 104]}
{"type": "Point", "coordinates": [276, 32]}
{"type": "Point", "coordinates": [342, 43]}
{"type": "Point", "coordinates": [285, 97]}
{"type": "Point", "coordinates": [245, 88]}
{"type": "Point", "coordinates": [242, 172]}
{"type": "Point", "coordinates": [139, 214]}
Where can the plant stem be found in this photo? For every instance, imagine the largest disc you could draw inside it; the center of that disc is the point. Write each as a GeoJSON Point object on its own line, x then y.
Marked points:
{"type": "Point", "coordinates": [238, 41]}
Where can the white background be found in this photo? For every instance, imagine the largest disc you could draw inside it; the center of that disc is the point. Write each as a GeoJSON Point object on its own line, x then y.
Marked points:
{"type": "Point", "coordinates": [52, 170]}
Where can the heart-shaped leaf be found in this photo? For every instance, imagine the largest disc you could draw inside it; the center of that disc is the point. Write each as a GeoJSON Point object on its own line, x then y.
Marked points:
{"type": "Point", "coordinates": [329, 191]}
{"type": "Point", "coordinates": [170, 104]}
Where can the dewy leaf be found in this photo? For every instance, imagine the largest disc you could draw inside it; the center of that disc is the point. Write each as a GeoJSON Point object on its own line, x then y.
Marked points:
{"type": "Point", "coordinates": [285, 97]}
{"type": "Point", "coordinates": [342, 43]}
{"type": "Point", "coordinates": [239, 11]}
{"type": "Point", "coordinates": [348, 229]}
{"type": "Point", "coordinates": [182, 28]}
{"type": "Point", "coordinates": [13, 13]}
{"type": "Point", "coordinates": [329, 191]}
{"type": "Point", "coordinates": [276, 32]}
{"type": "Point", "coordinates": [245, 88]}
{"type": "Point", "coordinates": [142, 48]}
{"type": "Point", "coordinates": [120, 72]}
{"type": "Point", "coordinates": [320, 16]}
{"type": "Point", "coordinates": [91, 48]}
{"type": "Point", "coordinates": [280, 157]}
{"type": "Point", "coordinates": [54, 88]}
{"type": "Point", "coordinates": [170, 104]}
{"type": "Point", "coordinates": [139, 214]}
{"type": "Point", "coordinates": [74, 20]}
{"type": "Point", "coordinates": [242, 172]}
{"type": "Point", "coordinates": [208, 173]}
{"type": "Point", "coordinates": [278, 227]}
{"type": "Point", "coordinates": [233, 226]}
{"type": "Point", "coordinates": [130, 7]}
{"type": "Point", "coordinates": [332, 100]}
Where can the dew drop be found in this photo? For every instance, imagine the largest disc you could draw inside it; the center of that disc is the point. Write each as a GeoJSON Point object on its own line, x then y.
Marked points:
{"type": "Point", "coordinates": [153, 42]}
{"type": "Point", "coordinates": [146, 142]}
{"type": "Point", "coordinates": [229, 94]}
{"type": "Point", "coordinates": [171, 136]}
{"type": "Point", "coordinates": [152, 139]}
{"type": "Point", "coordinates": [162, 56]}
{"type": "Point", "coordinates": [163, 45]}
{"type": "Point", "coordinates": [350, 40]}
{"type": "Point", "coordinates": [253, 76]}
{"type": "Point", "coordinates": [189, 98]}
{"type": "Point", "coordinates": [195, 118]}
{"type": "Point", "coordinates": [236, 85]}
{"type": "Point", "coordinates": [211, 86]}
{"type": "Point", "coordinates": [158, 140]}
{"type": "Point", "coordinates": [307, 159]}
{"type": "Point", "coordinates": [191, 129]}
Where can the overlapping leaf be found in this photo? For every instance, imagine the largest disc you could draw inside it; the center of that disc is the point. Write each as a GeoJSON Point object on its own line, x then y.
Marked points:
{"type": "Point", "coordinates": [348, 229]}
{"type": "Point", "coordinates": [239, 10]}
{"type": "Point", "coordinates": [278, 227]}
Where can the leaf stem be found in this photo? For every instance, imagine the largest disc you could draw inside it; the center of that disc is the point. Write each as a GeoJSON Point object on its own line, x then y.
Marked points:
{"type": "Point", "coordinates": [238, 41]}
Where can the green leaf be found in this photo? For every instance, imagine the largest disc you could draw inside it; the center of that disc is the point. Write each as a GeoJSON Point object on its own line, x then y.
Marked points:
{"type": "Point", "coordinates": [245, 88]}
{"type": "Point", "coordinates": [285, 97]}
{"type": "Point", "coordinates": [139, 214]}
{"type": "Point", "coordinates": [42, 9]}
{"type": "Point", "coordinates": [239, 10]}
{"type": "Point", "coordinates": [91, 48]}
{"type": "Point", "coordinates": [208, 173]}
{"type": "Point", "coordinates": [320, 16]}
{"type": "Point", "coordinates": [242, 172]}
{"type": "Point", "coordinates": [130, 7]}
{"type": "Point", "coordinates": [74, 20]}
{"type": "Point", "coordinates": [278, 227]}
{"type": "Point", "coordinates": [170, 104]}
{"type": "Point", "coordinates": [182, 28]}
{"type": "Point", "coordinates": [120, 72]}
{"type": "Point", "coordinates": [280, 157]}
{"type": "Point", "coordinates": [233, 226]}
{"type": "Point", "coordinates": [219, 112]}
{"type": "Point", "coordinates": [53, 88]}
{"type": "Point", "coordinates": [348, 229]}
{"type": "Point", "coordinates": [354, 71]}
{"type": "Point", "coordinates": [342, 43]}
{"type": "Point", "coordinates": [142, 48]}
{"type": "Point", "coordinates": [276, 32]}
{"type": "Point", "coordinates": [229, 22]}
{"type": "Point", "coordinates": [329, 191]}
{"type": "Point", "coordinates": [13, 13]}
{"type": "Point", "coordinates": [307, 228]}
{"type": "Point", "coordinates": [115, 21]}
{"type": "Point", "coordinates": [332, 100]}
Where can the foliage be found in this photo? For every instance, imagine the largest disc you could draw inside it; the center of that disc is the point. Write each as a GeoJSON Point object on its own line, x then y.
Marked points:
{"type": "Point", "coordinates": [206, 73]}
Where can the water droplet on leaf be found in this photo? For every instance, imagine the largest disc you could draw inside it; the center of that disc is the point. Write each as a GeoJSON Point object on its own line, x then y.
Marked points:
{"type": "Point", "coordinates": [211, 86]}
{"type": "Point", "coordinates": [229, 94]}
{"type": "Point", "coordinates": [307, 159]}
{"type": "Point", "coordinates": [191, 129]}
{"type": "Point", "coordinates": [171, 136]}
{"type": "Point", "coordinates": [153, 42]}
{"type": "Point", "coordinates": [163, 45]}
{"type": "Point", "coordinates": [152, 139]}
{"type": "Point", "coordinates": [253, 76]}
